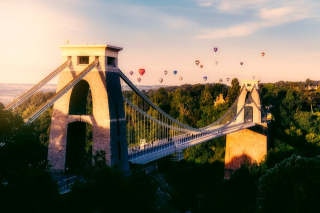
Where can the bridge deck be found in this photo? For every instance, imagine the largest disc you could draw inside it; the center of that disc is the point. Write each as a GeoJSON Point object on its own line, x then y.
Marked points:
{"type": "Point", "coordinates": [159, 151]}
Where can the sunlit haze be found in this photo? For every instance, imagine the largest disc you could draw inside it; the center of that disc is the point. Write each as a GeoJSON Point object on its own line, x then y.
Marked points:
{"type": "Point", "coordinates": [166, 35]}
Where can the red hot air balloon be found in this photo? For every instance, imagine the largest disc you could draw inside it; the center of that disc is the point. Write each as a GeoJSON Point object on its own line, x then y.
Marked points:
{"type": "Point", "coordinates": [215, 49]}
{"type": "Point", "coordinates": [241, 63]}
{"type": "Point", "coordinates": [141, 71]}
{"type": "Point", "coordinates": [197, 62]}
{"type": "Point", "coordinates": [139, 79]}
{"type": "Point", "coordinates": [201, 66]}
{"type": "Point", "coordinates": [131, 72]}
{"type": "Point", "coordinates": [262, 54]}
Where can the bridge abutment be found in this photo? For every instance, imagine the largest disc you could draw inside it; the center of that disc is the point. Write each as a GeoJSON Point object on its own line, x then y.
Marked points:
{"type": "Point", "coordinates": [245, 146]}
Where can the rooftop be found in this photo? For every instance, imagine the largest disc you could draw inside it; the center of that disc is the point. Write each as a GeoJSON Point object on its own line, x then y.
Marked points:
{"type": "Point", "coordinates": [91, 46]}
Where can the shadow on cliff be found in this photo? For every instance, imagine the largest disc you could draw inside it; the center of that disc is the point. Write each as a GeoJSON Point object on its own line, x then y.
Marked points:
{"type": "Point", "coordinates": [236, 163]}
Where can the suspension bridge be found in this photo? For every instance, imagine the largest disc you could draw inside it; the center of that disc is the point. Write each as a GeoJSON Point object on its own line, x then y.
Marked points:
{"type": "Point", "coordinates": [126, 124]}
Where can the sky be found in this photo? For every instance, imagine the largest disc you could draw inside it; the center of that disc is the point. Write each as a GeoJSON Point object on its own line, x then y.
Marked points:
{"type": "Point", "coordinates": [166, 35]}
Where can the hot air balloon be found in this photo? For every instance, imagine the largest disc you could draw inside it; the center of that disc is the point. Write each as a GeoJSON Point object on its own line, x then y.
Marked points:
{"type": "Point", "coordinates": [253, 77]}
{"type": "Point", "coordinates": [227, 79]}
{"type": "Point", "coordinates": [141, 71]}
{"type": "Point", "coordinates": [201, 66]}
{"type": "Point", "coordinates": [220, 80]}
{"type": "Point", "coordinates": [262, 54]}
{"type": "Point", "coordinates": [241, 63]}
{"type": "Point", "coordinates": [139, 79]}
{"type": "Point", "coordinates": [180, 78]}
{"type": "Point", "coordinates": [67, 41]}
{"type": "Point", "coordinates": [160, 80]}
{"type": "Point", "coordinates": [175, 72]}
{"type": "Point", "coordinates": [205, 78]}
{"type": "Point", "coordinates": [215, 49]}
{"type": "Point", "coordinates": [131, 72]}
{"type": "Point", "coordinates": [216, 62]}
{"type": "Point", "coordinates": [165, 72]}
{"type": "Point", "coordinates": [197, 62]}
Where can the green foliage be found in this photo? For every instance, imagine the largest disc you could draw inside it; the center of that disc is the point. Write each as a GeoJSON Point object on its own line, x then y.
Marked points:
{"type": "Point", "coordinates": [106, 189]}
{"type": "Point", "coordinates": [41, 126]}
{"type": "Point", "coordinates": [234, 90]}
{"type": "Point", "coordinates": [22, 169]}
{"type": "Point", "coordinates": [291, 186]}
{"type": "Point", "coordinates": [208, 152]}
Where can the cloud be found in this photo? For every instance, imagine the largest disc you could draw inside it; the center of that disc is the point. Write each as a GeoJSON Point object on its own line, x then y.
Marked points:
{"type": "Point", "coordinates": [205, 3]}
{"type": "Point", "coordinates": [261, 12]}
{"type": "Point", "coordinates": [234, 31]}
{"type": "Point", "coordinates": [231, 5]}
{"type": "Point", "coordinates": [266, 13]}
{"type": "Point", "coordinates": [149, 13]}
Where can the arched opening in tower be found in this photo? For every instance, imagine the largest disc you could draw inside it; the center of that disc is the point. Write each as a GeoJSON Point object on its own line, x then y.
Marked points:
{"type": "Point", "coordinates": [81, 99]}
{"type": "Point", "coordinates": [248, 114]}
{"type": "Point", "coordinates": [79, 145]}
{"type": "Point", "coordinates": [247, 96]}
{"type": "Point", "coordinates": [79, 137]}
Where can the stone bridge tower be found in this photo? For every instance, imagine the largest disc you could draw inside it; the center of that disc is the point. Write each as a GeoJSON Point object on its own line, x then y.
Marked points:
{"type": "Point", "coordinates": [248, 145]}
{"type": "Point", "coordinates": [70, 119]}
{"type": "Point", "coordinates": [250, 108]}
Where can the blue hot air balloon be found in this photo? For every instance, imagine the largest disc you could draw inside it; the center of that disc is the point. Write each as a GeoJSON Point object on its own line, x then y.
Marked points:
{"type": "Point", "coordinates": [205, 78]}
{"type": "Point", "coordinates": [175, 72]}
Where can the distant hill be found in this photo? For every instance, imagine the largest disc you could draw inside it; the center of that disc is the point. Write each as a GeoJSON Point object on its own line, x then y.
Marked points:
{"type": "Point", "coordinates": [9, 92]}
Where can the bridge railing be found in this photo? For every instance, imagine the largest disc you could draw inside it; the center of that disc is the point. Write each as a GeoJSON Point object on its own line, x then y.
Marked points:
{"type": "Point", "coordinates": [137, 152]}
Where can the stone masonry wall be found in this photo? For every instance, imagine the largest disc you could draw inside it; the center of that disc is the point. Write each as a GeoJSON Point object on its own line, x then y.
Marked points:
{"type": "Point", "coordinates": [245, 145]}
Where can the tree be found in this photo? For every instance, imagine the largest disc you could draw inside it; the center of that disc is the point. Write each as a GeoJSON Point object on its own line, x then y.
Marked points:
{"type": "Point", "coordinates": [309, 82]}
{"type": "Point", "coordinates": [28, 187]}
{"type": "Point", "coordinates": [107, 189]}
{"type": "Point", "coordinates": [234, 90]}
{"type": "Point", "coordinates": [291, 186]}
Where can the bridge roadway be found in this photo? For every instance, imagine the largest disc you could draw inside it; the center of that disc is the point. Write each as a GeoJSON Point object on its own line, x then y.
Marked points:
{"type": "Point", "coordinates": [161, 150]}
